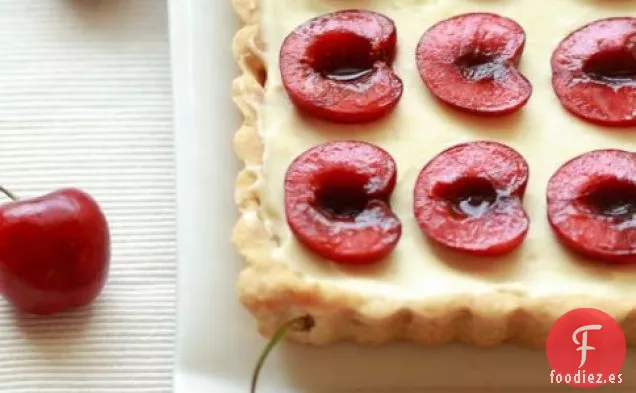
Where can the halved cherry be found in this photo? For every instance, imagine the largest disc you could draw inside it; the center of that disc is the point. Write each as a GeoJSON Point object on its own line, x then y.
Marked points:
{"type": "Point", "coordinates": [469, 198]}
{"type": "Point", "coordinates": [594, 72]}
{"type": "Point", "coordinates": [337, 67]}
{"type": "Point", "coordinates": [592, 205]}
{"type": "Point", "coordinates": [470, 62]}
{"type": "Point", "coordinates": [337, 202]}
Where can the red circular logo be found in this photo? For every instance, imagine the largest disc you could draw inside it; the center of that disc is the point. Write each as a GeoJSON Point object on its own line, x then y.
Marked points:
{"type": "Point", "coordinates": [586, 348]}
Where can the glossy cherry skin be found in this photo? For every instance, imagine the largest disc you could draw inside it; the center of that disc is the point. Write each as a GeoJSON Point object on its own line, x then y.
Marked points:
{"type": "Point", "coordinates": [469, 62]}
{"type": "Point", "coordinates": [337, 67]}
{"type": "Point", "coordinates": [594, 72]}
{"type": "Point", "coordinates": [469, 198]}
{"type": "Point", "coordinates": [592, 205]}
{"type": "Point", "coordinates": [337, 202]}
{"type": "Point", "coordinates": [54, 252]}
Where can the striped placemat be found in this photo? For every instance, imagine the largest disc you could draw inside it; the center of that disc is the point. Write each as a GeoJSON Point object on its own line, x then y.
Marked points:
{"type": "Point", "coordinates": [85, 101]}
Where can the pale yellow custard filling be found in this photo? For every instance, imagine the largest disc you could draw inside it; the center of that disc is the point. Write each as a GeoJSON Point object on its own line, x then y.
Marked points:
{"type": "Point", "coordinates": [420, 128]}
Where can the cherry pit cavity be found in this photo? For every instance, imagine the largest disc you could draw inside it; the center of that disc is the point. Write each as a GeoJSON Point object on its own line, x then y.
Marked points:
{"type": "Point", "coordinates": [336, 201]}
{"type": "Point", "coordinates": [469, 198]}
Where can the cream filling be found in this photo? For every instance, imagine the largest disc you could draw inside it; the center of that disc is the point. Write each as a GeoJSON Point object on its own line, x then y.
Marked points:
{"type": "Point", "coordinates": [421, 127]}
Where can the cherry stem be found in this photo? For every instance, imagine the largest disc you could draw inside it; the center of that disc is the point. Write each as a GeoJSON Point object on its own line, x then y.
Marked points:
{"type": "Point", "coordinates": [301, 324]}
{"type": "Point", "coordinates": [8, 193]}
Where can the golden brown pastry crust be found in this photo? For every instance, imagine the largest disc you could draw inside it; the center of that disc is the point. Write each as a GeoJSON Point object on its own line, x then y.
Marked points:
{"type": "Point", "coordinates": [273, 293]}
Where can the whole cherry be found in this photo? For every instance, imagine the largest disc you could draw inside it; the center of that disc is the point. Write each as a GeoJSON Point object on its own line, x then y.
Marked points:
{"type": "Point", "coordinates": [54, 251]}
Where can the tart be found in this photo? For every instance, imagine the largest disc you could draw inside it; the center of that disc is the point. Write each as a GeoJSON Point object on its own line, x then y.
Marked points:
{"type": "Point", "coordinates": [436, 171]}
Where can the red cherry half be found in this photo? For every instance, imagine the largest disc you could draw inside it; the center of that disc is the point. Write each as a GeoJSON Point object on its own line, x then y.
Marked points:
{"type": "Point", "coordinates": [594, 72]}
{"type": "Point", "coordinates": [469, 198]}
{"type": "Point", "coordinates": [592, 205]}
{"type": "Point", "coordinates": [470, 63]}
{"type": "Point", "coordinates": [337, 67]}
{"type": "Point", "coordinates": [336, 202]}
{"type": "Point", "coordinates": [54, 252]}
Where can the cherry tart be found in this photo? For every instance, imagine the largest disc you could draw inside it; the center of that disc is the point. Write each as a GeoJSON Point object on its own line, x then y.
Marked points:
{"type": "Point", "coordinates": [420, 171]}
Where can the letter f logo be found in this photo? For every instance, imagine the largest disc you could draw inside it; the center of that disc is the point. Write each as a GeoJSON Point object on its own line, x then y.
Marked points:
{"type": "Point", "coordinates": [583, 343]}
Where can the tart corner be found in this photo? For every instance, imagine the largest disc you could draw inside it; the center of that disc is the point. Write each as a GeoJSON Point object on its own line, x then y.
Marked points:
{"type": "Point", "coordinates": [273, 293]}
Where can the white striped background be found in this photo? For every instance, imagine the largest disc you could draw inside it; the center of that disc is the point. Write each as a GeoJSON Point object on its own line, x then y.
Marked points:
{"type": "Point", "coordinates": [85, 101]}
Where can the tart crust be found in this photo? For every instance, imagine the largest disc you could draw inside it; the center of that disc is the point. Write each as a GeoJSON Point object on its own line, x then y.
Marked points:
{"type": "Point", "coordinates": [273, 293]}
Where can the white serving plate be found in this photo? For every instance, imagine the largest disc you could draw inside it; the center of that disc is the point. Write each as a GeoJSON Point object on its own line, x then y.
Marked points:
{"type": "Point", "coordinates": [217, 342]}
